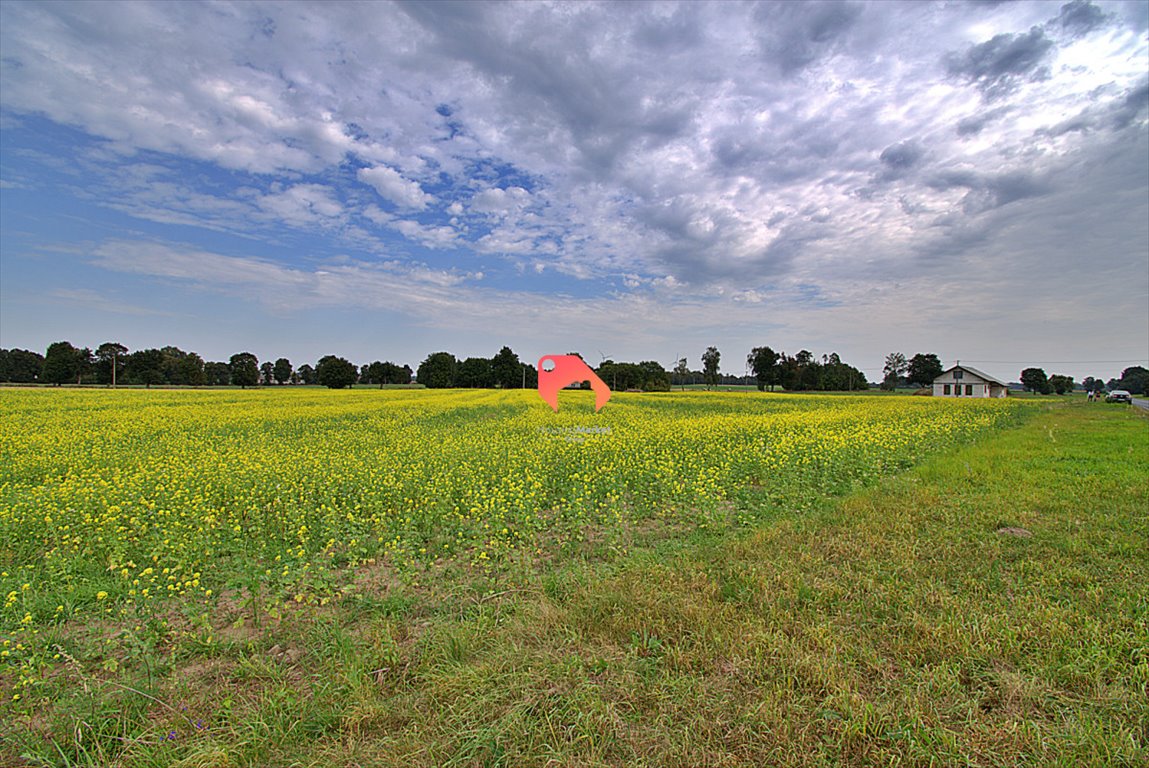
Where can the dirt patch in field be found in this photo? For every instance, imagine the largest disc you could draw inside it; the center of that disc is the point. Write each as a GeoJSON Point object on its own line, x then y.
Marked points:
{"type": "Point", "coordinates": [1020, 533]}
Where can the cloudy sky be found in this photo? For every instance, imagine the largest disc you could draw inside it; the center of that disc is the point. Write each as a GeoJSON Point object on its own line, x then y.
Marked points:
{"type": "Point", "coordinates": [381, 181]}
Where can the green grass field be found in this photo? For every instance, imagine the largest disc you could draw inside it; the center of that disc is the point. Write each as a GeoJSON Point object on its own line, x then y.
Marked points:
{"type": "Point", "coordinates": [975, 596]}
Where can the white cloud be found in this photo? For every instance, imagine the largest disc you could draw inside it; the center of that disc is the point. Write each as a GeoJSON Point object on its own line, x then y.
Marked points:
{"type": "Point", "coordinates": [302, 205]}
{"type": "Point", "coordinates": [501, 201]}
{"type": "Point", "coordinates": [391, 186]}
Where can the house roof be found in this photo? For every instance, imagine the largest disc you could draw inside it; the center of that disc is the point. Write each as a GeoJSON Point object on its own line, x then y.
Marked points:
{"type": "Point", "coordinates": [975, 372]}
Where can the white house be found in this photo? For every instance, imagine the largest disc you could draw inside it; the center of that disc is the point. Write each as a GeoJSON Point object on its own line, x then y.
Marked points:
{"type": "Point", "coordinates": [963, 381]}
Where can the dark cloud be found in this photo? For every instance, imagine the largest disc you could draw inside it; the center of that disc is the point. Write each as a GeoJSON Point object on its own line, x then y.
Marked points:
{"type": "Point", "coordinates": [973, 125]}
{"type": "Point", "coordinates": [585, 81]}
{"type": "Point", "coordinates": [677, 33]}
{"type": "Point", "coordinates": [1116, 114]}
{"type": "Point", "coordinates": [795, 35]}
{"type": "Point", "coordinates": [1081, 17]}
{"type": "Point", "coordinates": [997, 65]}
{"type": "Point", "coordinates": [989, 191]}
{"type": "Point", "coordinates": [900, 158]}
{"type": "Point", "coordinates": [1129, 108]}
{"type": "Point", "coordinates": [1081, 122]}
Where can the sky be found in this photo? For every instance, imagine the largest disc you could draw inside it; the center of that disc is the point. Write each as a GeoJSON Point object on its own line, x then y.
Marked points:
{"type": "Point", "coordinates": [632, 181]}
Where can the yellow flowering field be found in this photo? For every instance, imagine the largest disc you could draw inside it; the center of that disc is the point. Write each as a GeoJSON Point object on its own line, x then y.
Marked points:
{"type": "Point", "coordinates": [113, 501]}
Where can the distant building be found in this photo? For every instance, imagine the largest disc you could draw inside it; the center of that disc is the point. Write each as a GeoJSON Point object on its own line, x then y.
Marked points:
{"type": "Point", "coordinates": [963, 381]}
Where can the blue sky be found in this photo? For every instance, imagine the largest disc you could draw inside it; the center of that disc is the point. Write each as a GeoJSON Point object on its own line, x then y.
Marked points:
{"type": "Point", "coordinates": [635, 180]}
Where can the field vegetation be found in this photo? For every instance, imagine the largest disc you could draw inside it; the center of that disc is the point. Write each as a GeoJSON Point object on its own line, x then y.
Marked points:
{"type": "Point", "coordinates": [304, 577]}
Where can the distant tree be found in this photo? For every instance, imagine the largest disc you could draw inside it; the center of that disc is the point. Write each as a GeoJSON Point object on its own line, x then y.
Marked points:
{"type": "Point", "coordinates": [809, 372]}
{"type": "Point", "coordinates": [335, 372]}
{"type": "Point", "coordinates": [681, 371]}
{"type": "Point", "coordinates": [109, 361]}
{"type": "Point", "coordinates": [244, 369]}
{"type": "Point", "coordinates": [654, 376]}
{"type": "Point", "coordinates": [373, 373]}
{"type": "Point", "coordinates": [20, 366]}
{"type": "Point", "coordinates": [710, 359]}
{"type": "Point", "coordinates": [1061, 384]}
{"type": "Point", "coordinates": [923, 369]}
{"type": "Point", "coordinates": [1035, 380]}
{"type": "Point", "coordinates": [839, 377]}
{"type": "Point", "coordinates": [477, 372]}
{"type": "Point", "coordinates": [895, 366]}
{"type": "Point", "coordinates": [762, 361]}
{"type": "Point", "coordinates": [145, 366]}
{"type": "Point", "coordinates": [180, 368]}
{"type": "Point", "coordinates": [190, 370]}
{"type": "Point", "coordinates": [1090, 384]}
{"type": "Point", "coordinates": [217, 374]}
{"type": "Point", "coordinates": [438, 371]}
{"type": "Point", "coordinates": [282, 370]}
{"type": "Point", "coordinates": [622, 376]}
{"type": "Point", "coordinates": [61, 363]}
{"type": "Point", "coordinates": [1135, 380]}
{"type": "Point", "coordinates": [389, 373]}
{"type": "Point", "coordinates": [85, 361]}
{"type": "Point", "coordinates": [397, 374]}
{"type": "Point", "coordinates": [306, 374]}
{"type": "Point", "coordinates": [267, 373]}
{"type": "Point", "coordinates": [608, 371]}
{"type": "Point", "coordinates": [506, 369]}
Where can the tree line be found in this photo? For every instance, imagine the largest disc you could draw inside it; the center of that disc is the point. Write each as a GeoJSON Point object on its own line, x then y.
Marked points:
{"type": "Point", "coordinates": [111, 363]}
{"type": "Point", "coordinates": [1134, 380]}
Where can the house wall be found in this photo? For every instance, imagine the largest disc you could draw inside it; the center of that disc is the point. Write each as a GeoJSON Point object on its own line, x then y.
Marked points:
{"type": "Point", "coordinates": [979, 387]}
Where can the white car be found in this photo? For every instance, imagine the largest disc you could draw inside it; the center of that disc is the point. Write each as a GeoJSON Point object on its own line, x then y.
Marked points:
{"type": "Point", "coordinates": [1119, 396]}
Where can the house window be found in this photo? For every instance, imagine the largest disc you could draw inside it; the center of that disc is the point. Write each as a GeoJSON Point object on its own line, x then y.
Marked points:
{"type": "Point", "coordinates": [958, 373]}
{"type": "Point", "coordinates": [969, 389]}
{"type": "Point", "coordinates": [946, 389]}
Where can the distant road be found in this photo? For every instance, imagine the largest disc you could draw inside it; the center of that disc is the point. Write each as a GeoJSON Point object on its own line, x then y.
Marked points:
{"type": "Point", "coordinates": [1142, 404]}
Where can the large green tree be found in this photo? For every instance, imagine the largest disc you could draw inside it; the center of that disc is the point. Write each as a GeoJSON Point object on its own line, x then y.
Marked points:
{"type": "Point", "coordinates": [244, 369]}
{"type": "Point", "coordinates": [1061, 384]}
{"type": "Point", "coordinates": [654, 376]}
{"type": "Point", "coordinates": [893, 369]}
{"type": "Point", "coordinates": [145, 366]}
{"type": "Point", "coordinates": [476, 372]}
{"type": "Point", "coordinates": [438, 371]}
{"type": "Point", "coordinates": [1135, 380]}
{"type": "Point", "coordinates": [922, 369]}
{"type": "Point", "coordinates": [217, 374]}
{"type": "Point", "coordinates": [506, 370]}
{"type": "Point", "coordinates": [62, 363]}
{"type": "Point", "coordinates": [282, 370]}
{"type": "Point", "coordinates": [109, 361]}
{"type": "Point", "coordinates": [1035, 380]}
{"type": "Point", "coordinates": [20, 366]}
{"type": "Point", "coordinates": [762, 362]}
{"type": "Point", "coordinates": [190, 370]}
{"type": "Point", "coordinates": [710, 360]}
{"type": "Point", "coordinates": [336, 372]}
